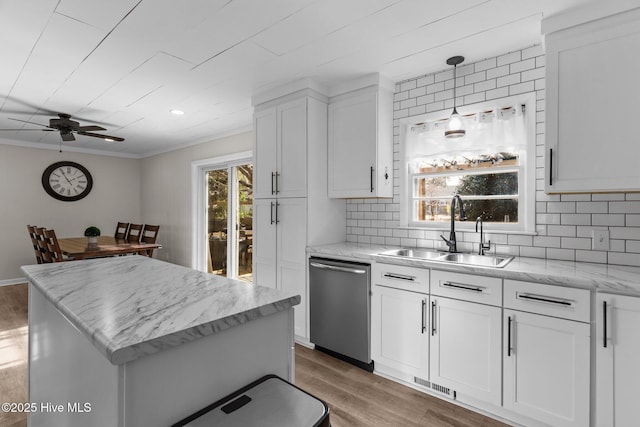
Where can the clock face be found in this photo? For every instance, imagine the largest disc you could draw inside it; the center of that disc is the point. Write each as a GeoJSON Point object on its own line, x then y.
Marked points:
{"type": "Point", "coordinates": [67, 181]}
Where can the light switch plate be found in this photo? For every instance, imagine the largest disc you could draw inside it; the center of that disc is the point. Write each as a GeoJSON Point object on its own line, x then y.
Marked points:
{"type": "Point", "coordinates": [600, 240]}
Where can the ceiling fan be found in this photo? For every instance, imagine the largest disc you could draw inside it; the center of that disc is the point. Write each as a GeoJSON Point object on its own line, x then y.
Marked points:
{"type": "Point", "coordinates": [68, 127]}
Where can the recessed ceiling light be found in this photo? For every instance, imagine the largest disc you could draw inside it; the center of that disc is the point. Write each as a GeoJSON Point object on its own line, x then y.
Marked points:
{"type": "Point", "coordinates": [177, 112]}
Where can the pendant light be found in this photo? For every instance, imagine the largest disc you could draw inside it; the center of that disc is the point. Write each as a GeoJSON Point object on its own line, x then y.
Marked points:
{"type": "Point", "coordinates": [455, 129]}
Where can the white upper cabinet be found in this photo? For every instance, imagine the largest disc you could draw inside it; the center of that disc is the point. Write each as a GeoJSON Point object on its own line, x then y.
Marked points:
{"type": "Point", "coordinates": [592, 87]}
{"type": "Point", "coordinates": [281, 150]}
{"type": "Point", "coordinates": [361, 143]}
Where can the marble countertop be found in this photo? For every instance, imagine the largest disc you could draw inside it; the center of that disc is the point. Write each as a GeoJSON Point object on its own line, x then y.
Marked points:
{"type": "Point", "coordinates": [134, 306]}
{"type": "Point", "coordinates": [601, 277]}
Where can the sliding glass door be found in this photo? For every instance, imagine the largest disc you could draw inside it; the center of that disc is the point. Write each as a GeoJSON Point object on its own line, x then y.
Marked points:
{"type": "Point", "coordinates": [229, 220]}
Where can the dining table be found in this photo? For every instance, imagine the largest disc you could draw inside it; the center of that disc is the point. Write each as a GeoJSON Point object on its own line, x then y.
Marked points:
{"type": "Point", "coordinates": [78, 248]}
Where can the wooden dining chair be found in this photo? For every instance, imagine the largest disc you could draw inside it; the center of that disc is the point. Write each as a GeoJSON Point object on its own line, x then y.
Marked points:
{"type": "Point", "coordinates": [35, 239]}
{"type": "Point", "coordinates": [53, 252]}
{"type": "Point", "coordinates": [121, 230]}
{"type": "Point", "coordinates": [134, 232]}
{"type": "Point", "coordinates": [149, 235]}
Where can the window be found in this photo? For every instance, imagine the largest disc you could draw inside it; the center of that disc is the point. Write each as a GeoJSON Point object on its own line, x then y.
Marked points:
{"type": "Point", "coordinates": [491, 168]}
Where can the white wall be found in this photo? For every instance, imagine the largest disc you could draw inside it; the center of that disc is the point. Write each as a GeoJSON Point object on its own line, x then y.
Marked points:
{"type": "Point", "coordinates": [167, 192]}
{"type": "Point", "coordinates": [115, 196]}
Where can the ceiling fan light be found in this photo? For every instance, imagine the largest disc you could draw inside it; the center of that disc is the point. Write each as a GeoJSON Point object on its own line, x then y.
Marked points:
{"type": "Point", "coordinates": [109, 139]}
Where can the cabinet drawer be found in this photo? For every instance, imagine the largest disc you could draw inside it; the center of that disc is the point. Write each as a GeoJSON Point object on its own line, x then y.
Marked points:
{"type": "Point", "coordinates": [550, 300]}
{"type": "Point", "coordinates": [467, 287]}
{"type": "Point", "coordinates": [401, 277]}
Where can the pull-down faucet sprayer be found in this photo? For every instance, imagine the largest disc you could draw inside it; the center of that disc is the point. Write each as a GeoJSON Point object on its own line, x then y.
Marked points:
{"type": "Point", "coordinates": [451, 242]}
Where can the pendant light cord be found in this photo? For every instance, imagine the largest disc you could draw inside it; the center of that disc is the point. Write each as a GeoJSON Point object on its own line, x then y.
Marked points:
{"type": "Point", "coordinates": [454, 88]}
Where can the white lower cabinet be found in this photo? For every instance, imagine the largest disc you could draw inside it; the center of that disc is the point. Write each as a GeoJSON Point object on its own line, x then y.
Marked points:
{"type": "Point", "coordinates": [465, 349]}
{"type": "Point", "coordinates": [547, 357]}
{"type": "Point", "coordinates": [466, 336]}
{"type": "Point", "coordinates": [399, 321]}
{"type": "Point", "coordinates": [401, 346]}
{"type": "Point", "coordinates": [617, 351]}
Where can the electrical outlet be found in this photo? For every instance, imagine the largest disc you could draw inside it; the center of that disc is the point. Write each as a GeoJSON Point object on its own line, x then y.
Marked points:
{"type": "Point", "coordinates": [600, 240]}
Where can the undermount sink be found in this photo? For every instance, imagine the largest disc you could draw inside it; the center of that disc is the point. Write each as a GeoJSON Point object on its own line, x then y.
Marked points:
{"type": "Point", "coordinates": [414, 253]}
{"type": "Point", "coordinates": [480, 260]}
{"type": "Point", "coordinates": [494, 261]}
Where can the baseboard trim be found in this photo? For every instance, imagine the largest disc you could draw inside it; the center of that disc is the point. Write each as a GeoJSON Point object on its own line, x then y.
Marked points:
{"type": "Point", "coordinates": [16, 281]}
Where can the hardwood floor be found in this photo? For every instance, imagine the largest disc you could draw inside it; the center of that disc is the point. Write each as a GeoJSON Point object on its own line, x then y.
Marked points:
{"type": "Point", "coordinates": [359, 398]}
{"type": "Point", "coordinates": [13, 351]}
{"type": "Point", "coordinates": [355, 397]}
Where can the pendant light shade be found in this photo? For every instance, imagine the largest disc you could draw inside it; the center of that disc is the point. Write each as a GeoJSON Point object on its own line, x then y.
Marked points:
{"type": "Point", "coordinates": [455, 127]}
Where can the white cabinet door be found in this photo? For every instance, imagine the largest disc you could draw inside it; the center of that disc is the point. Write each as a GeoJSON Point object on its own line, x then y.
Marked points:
{"type": "Point", "coordinates": [265, 155]}
{"type": "Point", "coordinates": [617, 355]}
{"type": "Point", "coordinates": [291, 179]}
{"type": "Point", "coordinates": [281, 150]}
{"type": "Point", "coordinates": [400, 333]}
{"type": "Point", "coordinates": [291, 239]}
{"type": "Point", "coordinates": [360, 147]}
{"type": "Point", "coordinates": [264, 243]}
{"type": "Point", "coordinates": [589, 124]}
{"type": "Point", "coordinates": [546, 368]}
{"type": "Point", "coordinates": [465, 348]}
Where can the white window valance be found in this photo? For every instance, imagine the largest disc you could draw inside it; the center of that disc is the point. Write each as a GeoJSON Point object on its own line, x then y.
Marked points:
{"type": "Point", "coordinates": [495, 130]}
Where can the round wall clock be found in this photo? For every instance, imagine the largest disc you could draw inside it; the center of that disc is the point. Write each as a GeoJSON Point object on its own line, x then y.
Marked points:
{"type": "Point", "coordinates": [67, 181]}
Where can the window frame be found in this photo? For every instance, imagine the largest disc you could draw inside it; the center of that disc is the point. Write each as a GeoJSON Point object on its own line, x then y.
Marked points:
{"type": "Point", "coordinates": [526, 169]}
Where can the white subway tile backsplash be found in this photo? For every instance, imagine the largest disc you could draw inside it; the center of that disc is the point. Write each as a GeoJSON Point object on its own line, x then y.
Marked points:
{"type": "Point", "coordinates": [596, 197]}
{"type": "Point", "coordinates": [575, 243]}
{"type": "Point", "coordinates": [532, 51]}
{"type": "Point", "coordinates": [607, 219]}
{"type": "Point", "coordinates": [509, 58]}
{"type": "Point", "coordinates": [525, 65]}
{"type": "Point", "coordinates": [564, 223]}
{"type": "Point", "coordinates": [561, 254]}
{"type": "Point", "coordinates": [591, 256]}
{"type": "Point", "coordinates": [624, 207]}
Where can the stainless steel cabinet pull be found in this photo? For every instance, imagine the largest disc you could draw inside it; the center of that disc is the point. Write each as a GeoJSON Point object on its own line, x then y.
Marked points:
{"type": "Point", "coordinates": [424, 315]}
{"type": "Point", "coordinates": [371, 172]}
{"type": "Point", "coordinates": [545, 299]}
{"type": "Point", "coordinates": [604, 324]}
{"type": "Point", "coordinates": [463, 286]}
{"type": "Point", "coordinates": [509, 336]}
{"type": "Point", "coordinates": [271, 212]}
{"type": "Point", "coordinates": [400, 276]}
{"type": "Point", "coordinates": [277, 219]}
{"type": "Point", "coordinates": [433, 318]}
{"type": "Point", "coordinates": [277, 186]}
{"type": "Point", "coordinates": [336, 268]}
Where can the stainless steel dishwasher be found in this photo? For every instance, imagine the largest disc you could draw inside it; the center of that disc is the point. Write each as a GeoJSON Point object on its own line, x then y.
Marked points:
{"type": "Point", "coordinates": [340, 309]}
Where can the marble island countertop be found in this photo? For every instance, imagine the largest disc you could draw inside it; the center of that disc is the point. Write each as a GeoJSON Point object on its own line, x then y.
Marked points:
{"type": "Point", "coordinates": [134, 306]}
{"type": "Point", "coordinates": [601, 277]}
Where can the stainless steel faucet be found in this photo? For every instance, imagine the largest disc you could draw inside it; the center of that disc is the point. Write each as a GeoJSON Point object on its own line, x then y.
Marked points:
{"type": "Point", "coordinates": [482, 246]}
{"type": "Point", "coordinates": [451, 242]}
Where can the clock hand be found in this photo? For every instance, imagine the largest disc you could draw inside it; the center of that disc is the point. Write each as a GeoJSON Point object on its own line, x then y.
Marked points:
{"type": "Point", "coordinates": [65, 176]}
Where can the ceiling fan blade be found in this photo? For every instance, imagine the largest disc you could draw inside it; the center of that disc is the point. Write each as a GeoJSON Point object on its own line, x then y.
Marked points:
{"type": "Point", "coordinates": [67, 136]}
{"type": "Point", "coordinates": [25, 121]}
{"type": "Point", "coordinates": [43, 130]}
{"type": "Point", "coordinates": [97, 135]}
{"type": "Point", "coordinates": [89, 128]}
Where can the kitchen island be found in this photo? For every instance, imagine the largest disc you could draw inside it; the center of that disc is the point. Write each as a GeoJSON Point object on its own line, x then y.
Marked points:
{"type": "Point", "coordinates": [133, 341]}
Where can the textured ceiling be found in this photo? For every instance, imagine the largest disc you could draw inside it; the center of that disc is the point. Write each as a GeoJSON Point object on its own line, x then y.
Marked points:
{"type": "Point", "coordinates": [124, 64]}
